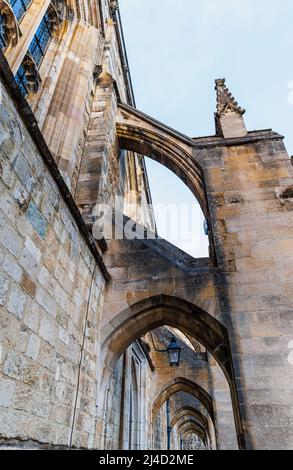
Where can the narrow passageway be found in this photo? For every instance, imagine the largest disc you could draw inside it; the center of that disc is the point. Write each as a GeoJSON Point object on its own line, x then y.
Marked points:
{"type": "Point", "coordinates": [165, 390]}
{"type": "Point", "coordinates": [113, 337]}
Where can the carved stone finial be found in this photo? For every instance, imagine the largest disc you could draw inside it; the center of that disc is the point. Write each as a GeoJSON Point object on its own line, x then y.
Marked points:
{"type": "Point", "coordinates": [229, 115]}
{"type": "Point", "coordinates": [225, 100]}
{"type": "Point", "coordinates": [114, 5]}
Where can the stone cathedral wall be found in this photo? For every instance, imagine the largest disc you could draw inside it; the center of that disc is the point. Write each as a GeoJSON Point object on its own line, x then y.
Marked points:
{"type": "Point", "coordinates": [51, 297]}
{"type": "Point", "coordinates": [65, 299]}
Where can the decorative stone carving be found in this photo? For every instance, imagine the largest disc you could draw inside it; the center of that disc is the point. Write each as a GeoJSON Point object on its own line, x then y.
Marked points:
{"type": "Point", "coordinates": [229, 115]}
{"type": "Point", "coordinates": [31, 73]}
{"type": "Point", "coordinates": [60, 7]}
{"type": "Point", "coordinates": [12, 28]}
{"type": "Point", "coordinates": [225, 101]}
{"type": "Point", "coordinates": [114, 5]}
{"type": "Point", "coordinates": [98, 69]}
{"type": "Point", "coordinates": [55, 18]}
{"type": "Point", "coordinates": [64, 10]}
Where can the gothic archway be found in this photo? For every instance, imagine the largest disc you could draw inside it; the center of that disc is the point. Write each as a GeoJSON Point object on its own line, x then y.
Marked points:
{"type": "Point", "coordinates": [192, 422]}
{"type": "Point", "coordinates": [190, 429]}
{"type": "Point", "coordinates": [189, 426]}
{"type": "Point", "coordinates": [192, 412]}
{"type": "Point", "coordinates": [160, 310]}
{"type": "Point", "coordinates": [183, 385]}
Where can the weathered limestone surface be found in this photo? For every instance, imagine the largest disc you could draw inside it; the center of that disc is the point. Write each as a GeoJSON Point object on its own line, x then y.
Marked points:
{"type": "Point", "coordinates": [250, 290]}
{"type": "Point", "coordinates": [51, 296]}
{"type": "Point", "coordinates": [253, 232]}
{"type": "Point", "coordinates": [103, 169]}
{"type": "Point", "coordinates": [74, 370]}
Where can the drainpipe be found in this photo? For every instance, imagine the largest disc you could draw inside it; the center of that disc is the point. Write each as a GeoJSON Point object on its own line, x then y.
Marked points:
{"type": "Point", "coordinates": [169, 428]}
{"type": "Point", "coordinates": [122, 405]}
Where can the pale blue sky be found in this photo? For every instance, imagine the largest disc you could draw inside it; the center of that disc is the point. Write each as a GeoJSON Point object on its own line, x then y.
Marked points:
{"type": "Point", "coordinates": [176, 48]}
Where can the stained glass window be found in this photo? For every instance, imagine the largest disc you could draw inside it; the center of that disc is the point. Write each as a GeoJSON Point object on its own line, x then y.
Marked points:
{"type": "Point", "coordinates": [21, 80]}
{"type": "Point", "coordinates": [36, 50]}
{"type": "Point", "coordinates": [2, 31]}
{"type": "Point", "coordinates": [19, 7]}
{"type": "Point", "coordinates": [40, 40]}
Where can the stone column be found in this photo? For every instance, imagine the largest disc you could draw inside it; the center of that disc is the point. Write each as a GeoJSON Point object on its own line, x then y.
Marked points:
{"type": "Point", "coordinates": [248, 186]}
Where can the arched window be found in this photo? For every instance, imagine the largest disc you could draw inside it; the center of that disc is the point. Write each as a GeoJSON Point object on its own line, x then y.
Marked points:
{"type": "Point", "coordinates": [22, 80]}
{"type": "Point", "coordinates": [41, 39]}
{"type": "Point", "coordinates": [27, 76]}
{"type": "Point", "coordinates": [19, 7]}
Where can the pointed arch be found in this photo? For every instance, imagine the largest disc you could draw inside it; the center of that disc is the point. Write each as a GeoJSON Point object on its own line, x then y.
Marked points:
{"type": "Point", "coordinates": [160, 310]}
{"type": "Point", "coordinates": [183, 422]}
{"type": "Point", "coordinates": [190, 412]}
{"type": "Point", "coordinates": [193, 426]}
{"type": "Point", "coordinates": [190, 428]}
{"type": "Point", "coordinates": [181, 384]}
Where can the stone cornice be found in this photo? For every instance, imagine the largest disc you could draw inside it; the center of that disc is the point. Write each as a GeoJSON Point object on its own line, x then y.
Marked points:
{"type": "Point", "coordinates": [250, 138]}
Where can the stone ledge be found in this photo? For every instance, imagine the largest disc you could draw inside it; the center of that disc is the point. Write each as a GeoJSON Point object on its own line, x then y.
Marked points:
{"type": "Point", "coordinates": [251, 137]}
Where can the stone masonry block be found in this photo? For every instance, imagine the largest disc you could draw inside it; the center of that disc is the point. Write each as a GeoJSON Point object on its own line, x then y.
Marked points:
{"type": "Point", "coordinates": [7, 388]}
{"type": "Point", "coordinates": [37, 220]}
{"type": "Point", "coordinates": [16, 302]}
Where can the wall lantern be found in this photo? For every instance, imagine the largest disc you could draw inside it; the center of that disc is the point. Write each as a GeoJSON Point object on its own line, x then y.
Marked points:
{"type": "Point", "coordinates": [173, 350]}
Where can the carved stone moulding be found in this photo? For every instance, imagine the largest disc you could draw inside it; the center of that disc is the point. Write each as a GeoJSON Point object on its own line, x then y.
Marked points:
{"type": "Point", "coordinates": [98, 69]}
{"type": "Point", "coordinates": [11, 26]}
{"type": "Point", "coordinates": [55, 19]}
